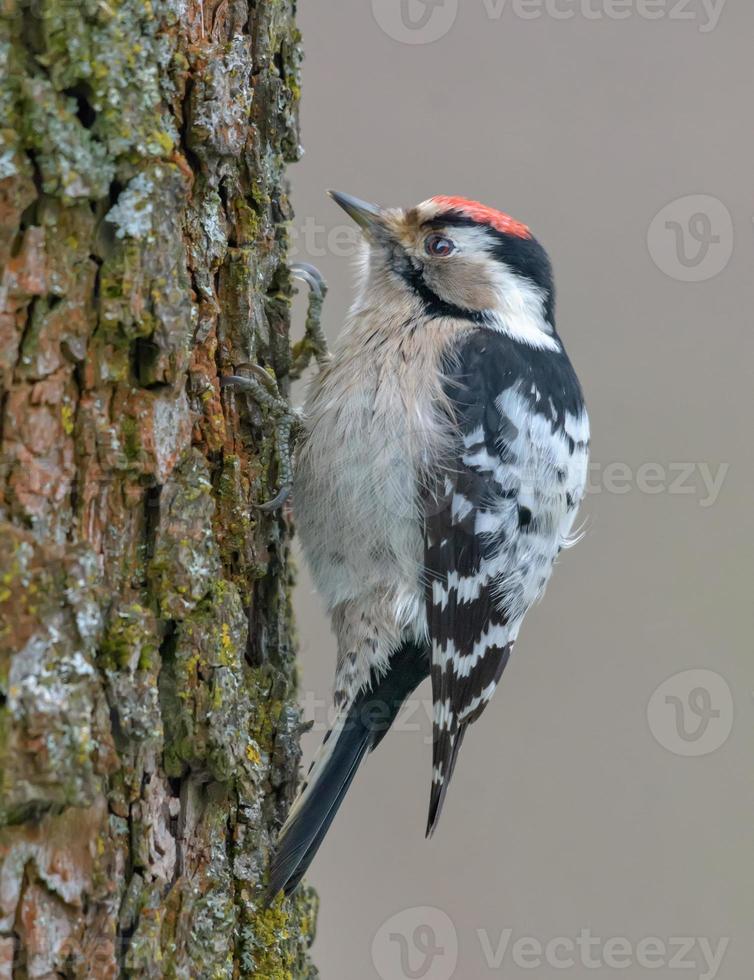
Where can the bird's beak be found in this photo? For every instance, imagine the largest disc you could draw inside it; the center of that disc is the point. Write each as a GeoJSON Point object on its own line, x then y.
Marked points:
{"type": "Point", "coordinates": [368, 217]}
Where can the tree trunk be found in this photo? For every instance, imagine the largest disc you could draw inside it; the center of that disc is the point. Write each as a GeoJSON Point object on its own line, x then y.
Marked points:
{"type": "Point", "coordinates": [147, 676]}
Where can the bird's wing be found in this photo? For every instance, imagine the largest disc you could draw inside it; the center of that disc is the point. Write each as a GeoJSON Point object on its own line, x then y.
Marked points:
{"type": "Point", "coordinates": [497, 512]}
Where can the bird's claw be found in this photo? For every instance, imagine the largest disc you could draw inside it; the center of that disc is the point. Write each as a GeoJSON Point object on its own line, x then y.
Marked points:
{"type": "Point", "coordinates": [311, 275]}
{"type": "Point", "coordinates": [262, 376]}
{"type": "Point", "coordinates": [277, 502]}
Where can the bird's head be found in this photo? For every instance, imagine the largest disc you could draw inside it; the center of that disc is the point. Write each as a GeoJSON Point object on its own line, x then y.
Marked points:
{"type": "Point", "coordinates": [451, 257]}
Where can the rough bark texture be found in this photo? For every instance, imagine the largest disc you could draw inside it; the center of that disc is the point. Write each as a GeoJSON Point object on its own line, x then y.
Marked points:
{"type": "Point", "coordinates": [148, 726]}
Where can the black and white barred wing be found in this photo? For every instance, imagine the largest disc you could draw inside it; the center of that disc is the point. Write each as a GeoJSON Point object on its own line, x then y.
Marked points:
{"type": "Point", "coordinates": [467, 625]}
{"type": "Point", "coordinates": [500, 512]}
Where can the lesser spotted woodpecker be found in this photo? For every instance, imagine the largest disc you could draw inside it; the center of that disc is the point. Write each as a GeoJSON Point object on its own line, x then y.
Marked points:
{"type": "Point", "coordinates": [442, 459]}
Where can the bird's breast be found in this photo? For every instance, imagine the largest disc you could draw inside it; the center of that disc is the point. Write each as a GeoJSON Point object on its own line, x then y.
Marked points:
{"type": "Point", "coordinates": [374, 424]}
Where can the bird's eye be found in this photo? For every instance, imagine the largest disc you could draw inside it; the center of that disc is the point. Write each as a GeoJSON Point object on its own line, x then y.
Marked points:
{"type": "Point", "coordinates": [439, 245]}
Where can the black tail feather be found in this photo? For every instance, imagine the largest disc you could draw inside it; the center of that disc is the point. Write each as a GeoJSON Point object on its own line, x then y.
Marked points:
{"type": "Point", "coordinates": [443, 773]}
{"type": "Point", "coordinates": [368, 720]}
{"type": "Point", "coordinates": [302, 839]}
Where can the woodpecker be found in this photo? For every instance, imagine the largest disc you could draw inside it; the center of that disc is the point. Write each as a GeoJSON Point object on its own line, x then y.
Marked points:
{"type": "Point", "coordinates": [441, 460]}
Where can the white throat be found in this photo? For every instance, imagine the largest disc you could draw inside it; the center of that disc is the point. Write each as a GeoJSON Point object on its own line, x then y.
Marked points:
{"type": "Point", "coordinates": [520, 311]}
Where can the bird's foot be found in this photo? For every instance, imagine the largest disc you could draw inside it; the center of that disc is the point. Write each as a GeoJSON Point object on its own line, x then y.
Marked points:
{"type": "Point", "coordinates": [313, 343]}
{"type": "Point", "coordinates": [263, 388]}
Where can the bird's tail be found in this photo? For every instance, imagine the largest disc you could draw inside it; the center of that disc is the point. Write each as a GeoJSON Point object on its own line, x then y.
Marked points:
{"type": "Point", "coordinates": [445, 749]}
{"type": "Point", "coordinates": [359, 727]}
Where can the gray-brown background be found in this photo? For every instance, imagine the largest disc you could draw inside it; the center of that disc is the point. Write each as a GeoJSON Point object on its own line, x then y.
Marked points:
{"type": "Point", "coordinates": [567, 813]}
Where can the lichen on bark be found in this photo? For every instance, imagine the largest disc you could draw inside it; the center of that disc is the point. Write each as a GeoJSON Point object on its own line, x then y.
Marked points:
{"type": "Point", "coordinates": [148, 725]}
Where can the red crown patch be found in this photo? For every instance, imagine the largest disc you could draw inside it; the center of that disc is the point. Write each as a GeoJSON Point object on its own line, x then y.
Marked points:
{"type": "Point", "coordinates": [483, 214]}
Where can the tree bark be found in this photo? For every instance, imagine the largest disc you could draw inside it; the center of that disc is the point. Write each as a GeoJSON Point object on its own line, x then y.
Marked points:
{"type": "Point", "coordinates": [148, 725]}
